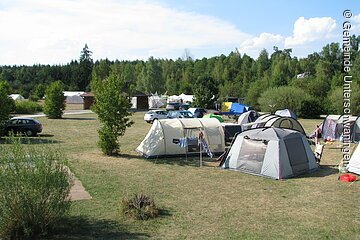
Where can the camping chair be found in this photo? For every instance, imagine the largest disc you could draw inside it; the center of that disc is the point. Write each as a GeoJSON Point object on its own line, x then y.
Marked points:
{"type": "Point", "coordinates": [318, 152]}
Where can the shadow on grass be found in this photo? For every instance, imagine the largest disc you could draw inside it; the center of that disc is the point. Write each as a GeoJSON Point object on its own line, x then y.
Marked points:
{"type": "Point", "coordinates": [193, 161]}
{"type": "Point", "coordinates": [77, 118]}
{"type": "Point", "coordinates": [323, 171]}
{"type": "Point", "coordinates": [29, 140]}
{"type": "Point", "coordinates": [76, 228]}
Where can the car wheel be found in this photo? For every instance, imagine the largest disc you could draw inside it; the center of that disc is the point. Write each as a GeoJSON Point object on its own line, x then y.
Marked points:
{"type": "Point", "coordinates": [29, 133]}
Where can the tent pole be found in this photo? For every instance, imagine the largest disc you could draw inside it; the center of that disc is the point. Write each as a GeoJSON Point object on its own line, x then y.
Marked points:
{"type": "Point", "coordinates": [200, 154]}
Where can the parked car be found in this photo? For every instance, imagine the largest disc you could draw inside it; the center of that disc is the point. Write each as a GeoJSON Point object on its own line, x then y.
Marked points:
{"type": "Point", "coordinates": [180, 114]}
{"type": "Point", "coordinates": [27, 126]}
{"type": "Point", "coordinates": [198, 112]}
{"type": "Point", "coordinates": [171, 106]}
{"type": "Point", "coordinates": [152, 115]}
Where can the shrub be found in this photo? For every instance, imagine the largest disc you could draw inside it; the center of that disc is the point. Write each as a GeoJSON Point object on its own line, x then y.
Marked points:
{"type": "Point", "coordinates": [34, 189]}
{"type": "Point", "coordinates": [141, 207]}
{"type": "Point", "coordinates": [310, 108]}
{"type": "Point", "coordinates": [282, 97]}
{"type": "Point", "coordinates": [27, 107]}
{"type": "Point", "coordinates": [55, 100]}
{"type": "Point", "coordinates": [34, 98]}
{"type": "Point", "coordinates": [108, 141]}
{"type": "Point", "coordinates": [113, 110]}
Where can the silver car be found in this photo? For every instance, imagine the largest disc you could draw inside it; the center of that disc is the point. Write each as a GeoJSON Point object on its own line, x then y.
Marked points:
{"type": "Point", "coordinates": [153, 115]}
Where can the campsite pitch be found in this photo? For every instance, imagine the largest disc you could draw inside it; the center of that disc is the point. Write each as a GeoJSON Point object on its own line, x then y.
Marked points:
{"type": "Point", "coordinates": [197, 203]}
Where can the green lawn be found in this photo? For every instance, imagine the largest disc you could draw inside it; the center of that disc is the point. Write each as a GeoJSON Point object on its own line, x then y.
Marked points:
{"type": "Point", "coordinates": [198, 203]}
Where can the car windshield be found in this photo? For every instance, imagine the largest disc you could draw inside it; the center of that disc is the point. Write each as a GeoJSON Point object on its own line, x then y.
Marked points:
{"type": "Point", "coordinates": [186, 114]}
{"type": "Point", "coordinates": [150, 112]}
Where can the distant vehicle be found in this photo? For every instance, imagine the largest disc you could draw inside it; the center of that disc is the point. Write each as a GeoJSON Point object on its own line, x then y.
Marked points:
{"type": "Point", "coordinates": [198, 112]}
{"type": "Point", "coordinates": [180, 114]}
{"type": "Point", "coordinates": [171, 106]}
{"type": "Point", "coordinates": [152, 115]}
{"type": "Point", "coordinates": [27, 126]}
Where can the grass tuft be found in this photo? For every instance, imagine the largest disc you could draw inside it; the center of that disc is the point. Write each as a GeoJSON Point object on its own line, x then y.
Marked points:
{"type": "Point", "coordinates": [140, 207]}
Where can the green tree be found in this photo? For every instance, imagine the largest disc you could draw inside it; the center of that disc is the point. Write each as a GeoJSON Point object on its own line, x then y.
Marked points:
{"type": "Point", "coordinates": [153, 77]}
{"type": "Point", "coordinates": [282, 97]}
{"type": "Point", "coordinates": [7, 104]}
{"type": "Point", "coordinates": [85, 69]}
{"type": "Point", "coordinates": [112, 108]}
{"type": "Point", "coordinates": [205, 92]}
{"type": "Point", "coordinates": [54, 100]}
{"type": "Point", "coordinates": [40, 90]}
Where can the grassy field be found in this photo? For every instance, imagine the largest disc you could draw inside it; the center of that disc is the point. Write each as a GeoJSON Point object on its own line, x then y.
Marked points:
{"type": "Point", "coordinates": [197, 203]}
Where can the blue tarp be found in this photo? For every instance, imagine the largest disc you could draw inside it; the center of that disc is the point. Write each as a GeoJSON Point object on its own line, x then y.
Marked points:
{"type": "Point", "coordinates": [237, 109]}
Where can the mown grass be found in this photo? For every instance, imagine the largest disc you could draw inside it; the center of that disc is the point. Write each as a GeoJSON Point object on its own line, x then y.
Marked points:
{"type": "Point", "coordinates": [198, 203]}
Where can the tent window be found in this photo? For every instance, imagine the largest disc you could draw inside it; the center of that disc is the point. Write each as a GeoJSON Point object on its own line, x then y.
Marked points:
{"type": "Point", "coordinates": [252, 155]}
{"type": "Point", "coordinates": [192, 137]}
{"type": "Point", "coordinates": [297, 155]}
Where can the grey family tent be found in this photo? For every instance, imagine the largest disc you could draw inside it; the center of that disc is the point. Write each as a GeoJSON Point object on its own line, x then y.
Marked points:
{"type": "Point", "coordinates": [271, 152]}
{"type": "Point", "coordinates": [354, 163]}
{"type": "Point", "coordinates": [248, 117]}
{"type": "Point", "coordinates": [333, 126]}
{"type": "Point", "coordinates": [269, 120]}
{"type": "Point", "coordinates": [286, 113]}
{"type": "Point", "coordinates": [166, 136]}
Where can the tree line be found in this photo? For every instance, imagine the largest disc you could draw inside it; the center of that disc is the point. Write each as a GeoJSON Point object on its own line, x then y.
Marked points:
{"type": "Point", "coordinates": [308, 85]}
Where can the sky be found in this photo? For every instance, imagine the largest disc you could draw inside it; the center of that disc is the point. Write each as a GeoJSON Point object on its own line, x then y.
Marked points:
{"type": "Point", "coordinates": [55, 31]}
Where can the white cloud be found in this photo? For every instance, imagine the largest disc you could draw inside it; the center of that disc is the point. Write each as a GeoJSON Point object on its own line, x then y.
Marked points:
{"type": "Point", "coordinates": [355, 28]}
{"type": "Point", "coordinates": [43, 31]}
{"type": "Point", "coordinates": [254, 45]}
{"type": "Point", "coordinates": [310, 30]}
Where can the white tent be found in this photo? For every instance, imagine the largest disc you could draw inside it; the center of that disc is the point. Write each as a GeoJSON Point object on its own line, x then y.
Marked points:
{"type": "Point", "coordinates": [187, 98]}
{"type": "Point", "coordinates": [73, 97]}
{"type": "Point", "coordinates": [286, 113]}
{"type": "Point", "coordinates": [269, 120]}
{"type": "Point", "coordinates": [354, 163]}
{"type": "Point", "coordinates": [271, 152]}
{"type": "Point", "coordinates": [155, 101]}
{"type": "Point", "coordinates": [165, 136]}
{"type": "Point", "coordinates": [247, 117]}
{"type": "Point", "coordinates": [16, 97]}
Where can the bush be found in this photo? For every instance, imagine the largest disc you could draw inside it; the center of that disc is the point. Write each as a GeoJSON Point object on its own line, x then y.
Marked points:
{"type": "Point", "coordinates": [108, 141]}
{"type": "Point", "coordinates": [27, 107]}
{"type": "Point", "coordinates": [34, 98]}
{"type": "Point", "coordinates": [310, 108]}
{"type": "Point", "coordinates": [282, 97]}
{"type": "Point", "coordinates": [34, 189]}
{"type": "Point", "coordinates": [55, 100]}
{"type": "Point", "coordinates": [140, 207]}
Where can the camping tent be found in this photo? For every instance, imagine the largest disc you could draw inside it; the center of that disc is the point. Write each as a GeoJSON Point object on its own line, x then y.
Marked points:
{"type": "Point", "coordinates": [333, 125]}
{"type": "Point", "coordinates": [354, 163]}
{"type": "Point", "coordinates": [269, 120]}
{"type": "Point", "coordinates": [248, 117]}
{"type": "Point", "coordinates": [212, 115]}
{"type": "Point", "coordinates": [165, 135]}
{"type": "Point", "coordinates": [74, 97]}
{"type": "Point", "coordinates": [271, 152]}
{"type": "Point", "coordinates": [16, 97]}
{"type": "Point", "coordinates": [154, 101]}
{"type": "Point", "coordinates": [286, 113]}
{"type": "Point", "coordinates": [230, 108]}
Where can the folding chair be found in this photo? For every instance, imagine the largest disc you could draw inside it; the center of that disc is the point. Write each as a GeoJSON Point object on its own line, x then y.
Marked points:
{"type": "Point", "coordinates": [318, 152]}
